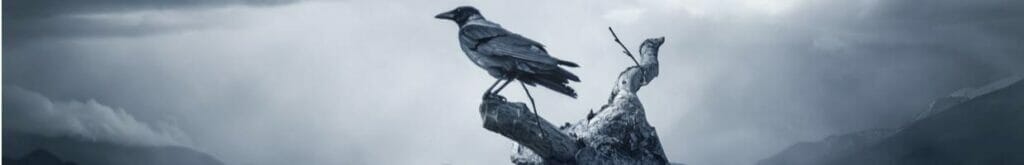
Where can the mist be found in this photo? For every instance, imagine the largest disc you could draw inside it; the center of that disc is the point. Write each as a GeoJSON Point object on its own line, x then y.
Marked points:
{"type": "Point", "coordinates": [372, 82]}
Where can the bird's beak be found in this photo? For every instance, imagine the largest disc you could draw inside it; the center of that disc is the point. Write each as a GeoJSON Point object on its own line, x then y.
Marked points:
{"type": "Point", "coordinates": [445, 15]}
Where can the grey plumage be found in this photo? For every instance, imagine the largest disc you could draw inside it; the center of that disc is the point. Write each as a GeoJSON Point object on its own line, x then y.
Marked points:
{"type": "Point", "coordinates": [507, 55]}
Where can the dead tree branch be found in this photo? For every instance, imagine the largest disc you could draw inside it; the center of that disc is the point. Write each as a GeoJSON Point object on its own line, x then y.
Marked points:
{"type": "Point", "coordinates": [624, 49]}
{"type": "Point", "coordinates": [618, 133]}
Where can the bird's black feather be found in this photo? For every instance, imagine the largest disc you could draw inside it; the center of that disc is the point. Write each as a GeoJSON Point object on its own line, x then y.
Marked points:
{"type": "Point", "coordinates": [503, 53]}
{"type": "Point", "coordinates": [567, 63]}
{"type": "Point", "coordinates": [554, 79]}
{"type": "Point", "coordinates": [499, 42]}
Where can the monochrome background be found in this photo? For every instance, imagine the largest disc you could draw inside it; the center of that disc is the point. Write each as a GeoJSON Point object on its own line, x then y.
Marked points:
{"type": "Point", "coordinates": [383, 82]}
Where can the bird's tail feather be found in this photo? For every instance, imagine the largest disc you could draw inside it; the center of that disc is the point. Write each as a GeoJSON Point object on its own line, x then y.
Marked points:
{"type": "Point", "coordinates": [567, 63]}
{"type": "Point", "coordinates": [568, 75]}
{"type": "Point", "coordinates": [556, 80]}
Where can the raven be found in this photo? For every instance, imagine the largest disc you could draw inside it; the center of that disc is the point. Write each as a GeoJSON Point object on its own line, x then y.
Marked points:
{"type": "Point", "coordinates": [508, 56]}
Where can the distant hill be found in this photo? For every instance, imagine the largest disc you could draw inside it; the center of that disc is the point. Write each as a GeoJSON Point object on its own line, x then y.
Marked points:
{"type": "Point", "coordinates": [815, 153]}
{"type": "Point", "coordinates": [974, 126]}
{"type": "Point", "coordinates": [37, 150]}
{"type": "Point", "coordinates": [37, 157]}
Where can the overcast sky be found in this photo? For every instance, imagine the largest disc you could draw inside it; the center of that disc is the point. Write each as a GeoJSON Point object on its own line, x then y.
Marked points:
{"type": "Point", "coordinates": [383, 82]}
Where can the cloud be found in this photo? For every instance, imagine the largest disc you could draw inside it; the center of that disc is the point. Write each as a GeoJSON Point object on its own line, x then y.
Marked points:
{"type": "Point", "coordinates": [21, 9]}
{"type": "Point", "coordinates": [28, 20]}
{"type": "Point", "coordinates": [625, 15]}
{"type": "Point", "coordinates": [762, 81]}
{"type": "Point", "coordinates": [32, 113]}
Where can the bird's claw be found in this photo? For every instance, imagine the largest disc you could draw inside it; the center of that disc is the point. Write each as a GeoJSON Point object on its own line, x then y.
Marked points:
{"type": "Point", "coordinates": [491, 96]}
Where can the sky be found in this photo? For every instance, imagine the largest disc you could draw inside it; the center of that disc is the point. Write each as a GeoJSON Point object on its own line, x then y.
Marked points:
{"type": "Point", "coordinates": [257, 82]}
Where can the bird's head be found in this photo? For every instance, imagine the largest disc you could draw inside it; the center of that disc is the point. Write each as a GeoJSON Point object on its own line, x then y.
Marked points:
{"type": "Point", "coordinates": [460, 14]}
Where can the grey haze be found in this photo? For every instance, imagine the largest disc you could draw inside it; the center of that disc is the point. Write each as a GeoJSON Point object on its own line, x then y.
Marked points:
{"type": "Point", "coordinates": [383, 82]}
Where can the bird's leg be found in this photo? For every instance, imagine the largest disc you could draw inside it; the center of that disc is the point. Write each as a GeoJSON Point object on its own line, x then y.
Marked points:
{"type": "Point", "coordinates": [536, 120]}
{"type": "Point", "coordinates": [488, 92]}
{"type": "Point", "coordinates": [503, 85]}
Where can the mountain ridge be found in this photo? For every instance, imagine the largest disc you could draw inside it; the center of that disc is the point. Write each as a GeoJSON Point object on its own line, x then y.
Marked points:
{"type": "Point", "coordinates": [980, 126]}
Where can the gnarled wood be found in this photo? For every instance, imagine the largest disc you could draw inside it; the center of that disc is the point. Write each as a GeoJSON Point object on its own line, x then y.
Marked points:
{"type": "Point", "coordinates": [514, 120]}
{"type": "Point", "coordinates": [618, 133]}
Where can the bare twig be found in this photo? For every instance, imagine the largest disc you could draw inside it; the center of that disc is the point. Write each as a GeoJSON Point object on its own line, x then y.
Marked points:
{"type": "Point", "coordinates": [624, 49]}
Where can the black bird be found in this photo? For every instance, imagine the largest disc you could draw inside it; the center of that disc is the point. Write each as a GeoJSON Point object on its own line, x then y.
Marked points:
{"type": "Point", "coordinates": [508, 56]}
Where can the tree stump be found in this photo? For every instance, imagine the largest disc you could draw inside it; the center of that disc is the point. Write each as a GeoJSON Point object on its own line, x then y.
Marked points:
{"type": "Point", "coordinates": [618, 133]}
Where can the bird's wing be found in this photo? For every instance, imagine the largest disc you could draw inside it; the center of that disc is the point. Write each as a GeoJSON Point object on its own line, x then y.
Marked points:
{"type": "Point", "coordinates": [500, 42]}
{"type": "Point", "coordinates": [477, 33]}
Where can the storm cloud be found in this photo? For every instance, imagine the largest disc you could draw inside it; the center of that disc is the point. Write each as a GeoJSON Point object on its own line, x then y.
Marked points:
{"type": "Point", "coordinates": [29, 20]}
{"type": "Point", "coordinates": [28, 112]}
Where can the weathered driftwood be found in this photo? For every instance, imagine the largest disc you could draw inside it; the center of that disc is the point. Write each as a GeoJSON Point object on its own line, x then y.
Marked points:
{"type": "Point", "coordinates": [618, 133]}
{"type": "Point", "coordinates": [514, 120]}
